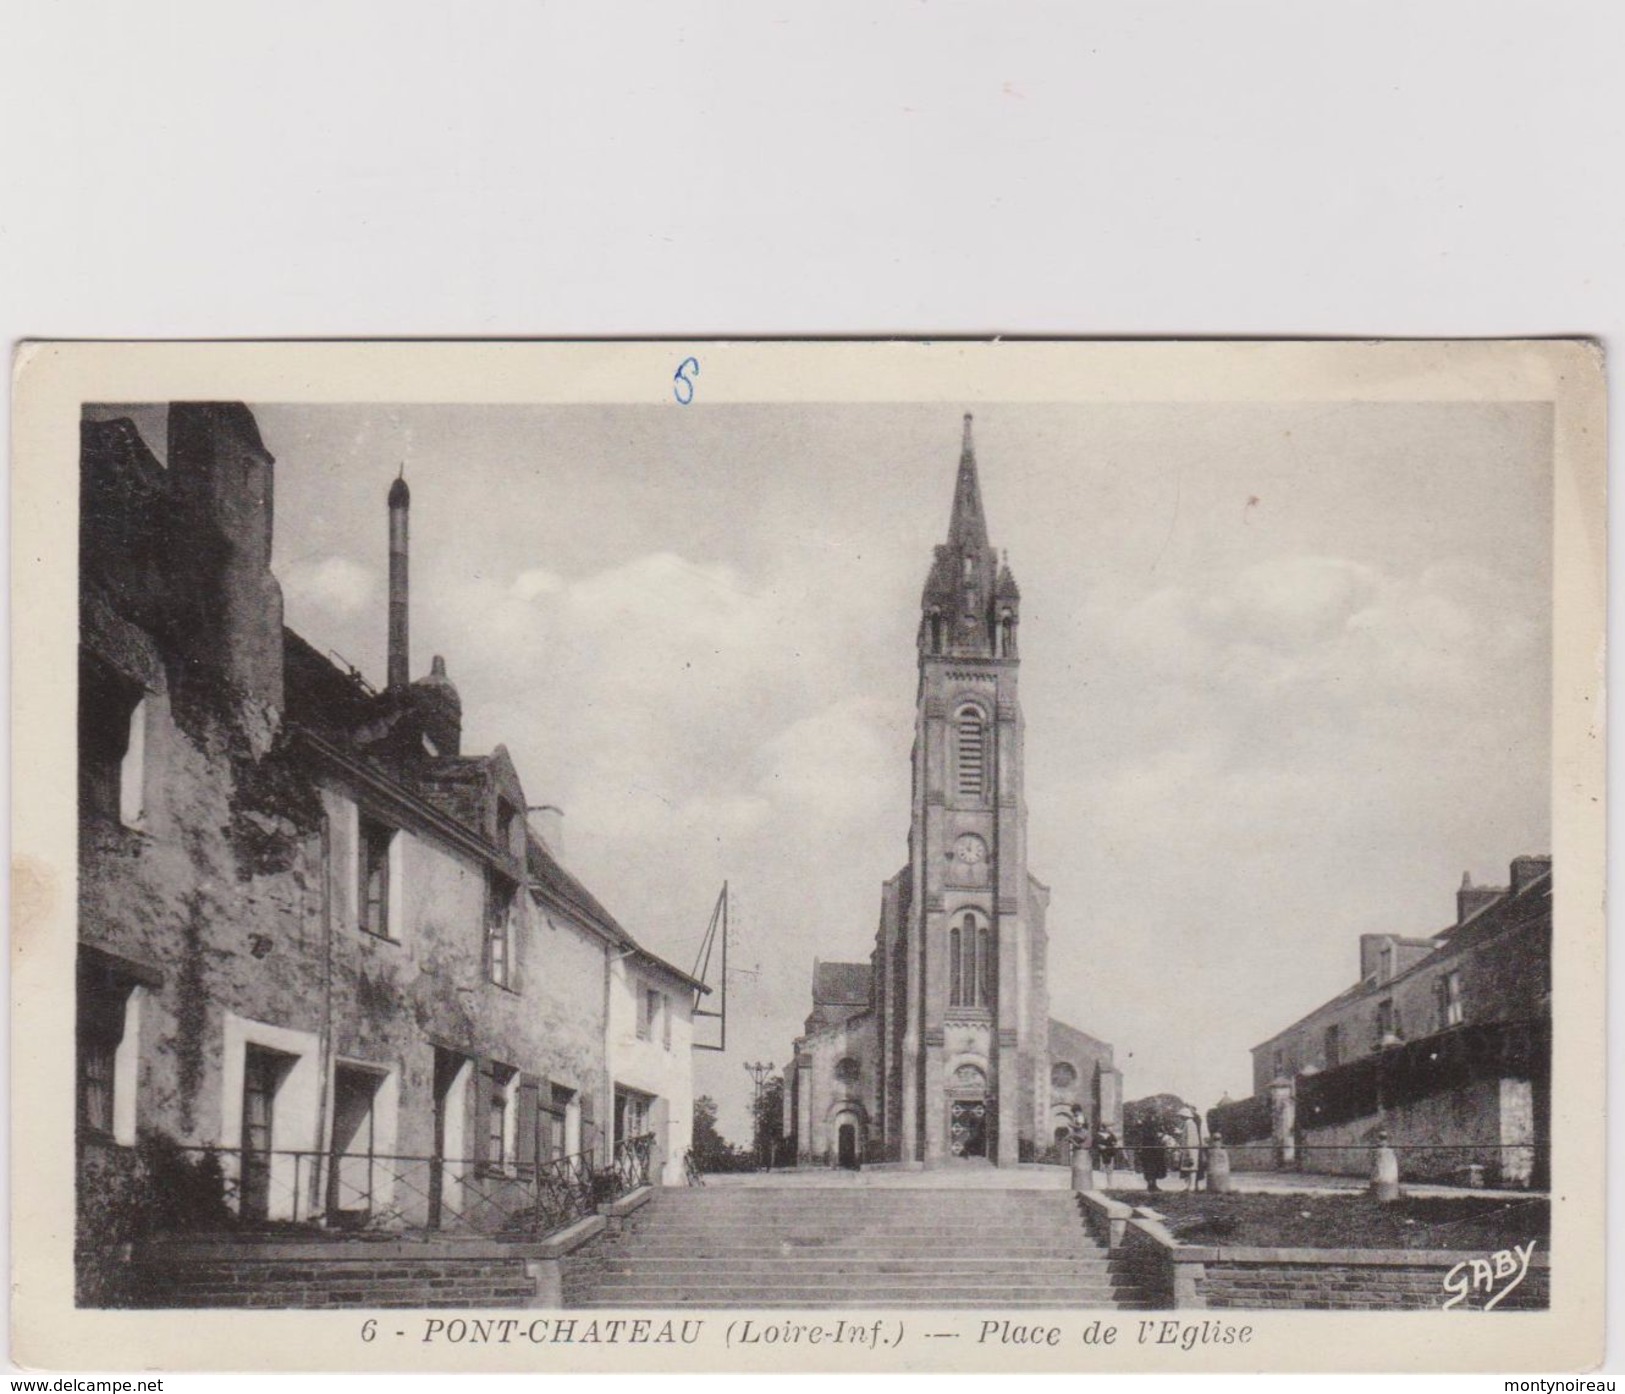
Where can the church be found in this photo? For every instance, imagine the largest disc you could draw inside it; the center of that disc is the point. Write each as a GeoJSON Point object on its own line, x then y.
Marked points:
{"type": "Point", "coordinates": [940, 1050]}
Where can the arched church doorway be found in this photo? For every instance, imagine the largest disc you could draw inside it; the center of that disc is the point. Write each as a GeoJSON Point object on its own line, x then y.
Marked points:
{"type": "Point", "coordinates": [968, 1121]}
{"type": "Point", "coordinates": [846, 1147]}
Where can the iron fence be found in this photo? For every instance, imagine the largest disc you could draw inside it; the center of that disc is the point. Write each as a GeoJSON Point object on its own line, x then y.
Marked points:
{"type": "Point", "coordinates": [381, 1192]}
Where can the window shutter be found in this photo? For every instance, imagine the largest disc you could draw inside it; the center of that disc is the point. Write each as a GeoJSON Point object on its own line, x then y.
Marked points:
{"type": "Point", "coordinates": [526, 1151]}
{"type": "Point", "coordinates": [484, 1081]}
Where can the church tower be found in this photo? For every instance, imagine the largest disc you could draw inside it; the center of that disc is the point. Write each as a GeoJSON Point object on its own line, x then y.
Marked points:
{"type": "Point", "coordinates": [974, 1037]}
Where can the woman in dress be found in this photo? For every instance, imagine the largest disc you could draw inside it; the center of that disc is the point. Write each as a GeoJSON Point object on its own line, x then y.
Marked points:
{"type": "Point", "coordinates": [1151, 1154]}
{"type": "Point", "coordinates": [1190, 1146]}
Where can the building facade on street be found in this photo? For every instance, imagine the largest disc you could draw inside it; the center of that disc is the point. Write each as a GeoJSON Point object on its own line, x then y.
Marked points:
{"type": "Point", "coordinates": [1444, 1043]}
{"type": "Point", "coordinates": [941, 1048]}
{"type": "Point", "coordinates": [320, 944]}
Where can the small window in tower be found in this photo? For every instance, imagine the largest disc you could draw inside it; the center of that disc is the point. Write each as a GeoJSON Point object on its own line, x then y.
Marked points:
{"type": "Point", "coordinates": [112, 744]}
{"type": "Point", "coordinates": [955, 985]}
{"type": "Point", "coordinates": [984, 968]}
{"type": "Point", "coordinates": [971, 776]}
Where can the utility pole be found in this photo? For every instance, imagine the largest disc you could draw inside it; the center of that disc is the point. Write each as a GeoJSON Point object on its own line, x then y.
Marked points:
{"type": "Point", "coordinates": [759, 1073]}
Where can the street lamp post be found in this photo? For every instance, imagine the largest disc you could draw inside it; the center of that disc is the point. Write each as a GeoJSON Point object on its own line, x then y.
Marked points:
{"type": "Point", "coordinates": [759, 1073]}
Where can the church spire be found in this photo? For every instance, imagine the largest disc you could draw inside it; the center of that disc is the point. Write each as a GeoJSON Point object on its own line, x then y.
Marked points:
{"type": "Point", "coordinates": [970, 601]}
{"type": "Point", "coordinates": [967, 529]}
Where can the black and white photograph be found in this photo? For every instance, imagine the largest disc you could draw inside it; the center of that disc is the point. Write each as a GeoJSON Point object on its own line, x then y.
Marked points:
{"type": "Point", "coordinates": [731, 861]}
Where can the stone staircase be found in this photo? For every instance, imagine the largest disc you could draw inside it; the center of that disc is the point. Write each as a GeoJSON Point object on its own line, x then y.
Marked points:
{"type": "Point", "coordinates": [822, 1247]}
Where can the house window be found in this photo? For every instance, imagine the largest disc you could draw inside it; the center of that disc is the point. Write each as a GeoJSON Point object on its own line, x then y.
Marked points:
{"type": "Point", "coordinates": [649, 1011]}
{"type": "Point", "coordinates": [1334, 1046]}
{"type": "Point", "coordinates": [499, 1130]}
{"type": "Point", "coordinates": [631, 1115]}
{"type": "Point", "coordinates": [970, 779]}
{"type": "Point", "coordinates": [112, 744]}
{"type": "Point", "coordinates": [377, 841]}
{"type": "Point", "coordinates": [96, 1056]}
{"type": "Point", "coordinates": [1279, 1063]}
{"type": "Point", "coordinates": [1387, 1021]}
{"type": "Point", "coordinates": [665, 1021]}
{"type": "Point", "coordinates": [554, 1139]}
{"type": "Point", "coordinates": [500, 900]}
{"type": "Point", "coordinates": [109, 1014]}
{"type": "Point", "coordinates": [1449, 989]}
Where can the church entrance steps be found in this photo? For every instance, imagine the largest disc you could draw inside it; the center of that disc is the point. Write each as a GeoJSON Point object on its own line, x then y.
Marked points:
{"type": "Point", "coordinates": [872, 1247]}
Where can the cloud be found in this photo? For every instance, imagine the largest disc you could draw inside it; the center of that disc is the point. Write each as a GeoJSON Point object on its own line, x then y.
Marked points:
{"type": "Point", "coordinates": [537, 581]}
{"type": "Point", "coordinates": [336, 586]}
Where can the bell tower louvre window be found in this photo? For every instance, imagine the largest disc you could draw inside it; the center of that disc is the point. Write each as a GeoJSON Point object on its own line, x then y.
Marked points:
{"type": "Point", "coordinates": [971, 767]}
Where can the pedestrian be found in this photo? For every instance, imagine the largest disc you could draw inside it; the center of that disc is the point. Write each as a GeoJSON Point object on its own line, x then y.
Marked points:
{"type": "Point", "coordinates": [1190, 1146]}
{"type": "Point", "coordinates": [1106, 1152]}
{"type": "Point", "coordinates": [1151, 1152]}
{"type": "Point", "coordinates": [1078, 1133]}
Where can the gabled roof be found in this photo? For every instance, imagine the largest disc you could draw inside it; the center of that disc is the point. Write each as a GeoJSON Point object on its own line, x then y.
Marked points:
{"type": "Point", "coordinates": [841, 984]}
{"type": "Point", "coordinates": [551, 882]}
{"type": "Point", "coordinates": [1528, 904]}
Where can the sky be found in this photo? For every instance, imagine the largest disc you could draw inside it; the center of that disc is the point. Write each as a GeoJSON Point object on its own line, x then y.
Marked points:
{"type": "Point", "coordinates": [1285, 672]}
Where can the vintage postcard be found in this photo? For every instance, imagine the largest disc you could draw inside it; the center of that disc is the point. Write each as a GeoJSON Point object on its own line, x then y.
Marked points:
{"type": "Point", "coordinates": [853, 857]}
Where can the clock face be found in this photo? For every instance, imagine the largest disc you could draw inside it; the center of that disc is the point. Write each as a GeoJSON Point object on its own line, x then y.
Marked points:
{"type": "Point", "coordinates": [970, 849]}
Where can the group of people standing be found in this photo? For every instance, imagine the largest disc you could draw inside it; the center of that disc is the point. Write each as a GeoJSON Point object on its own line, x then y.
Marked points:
{"type": "Point", "coordinates": [1155, 1148]}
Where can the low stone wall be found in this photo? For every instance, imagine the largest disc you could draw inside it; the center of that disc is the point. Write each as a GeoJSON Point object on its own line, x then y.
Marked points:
{"type": "Point", "coordinates": [364, 1271]}
{"type": "Point", "coordinates": [1179, 1276]}
{"type": "Point", "coordinates": [337, 1273]}
{"type": "Point", "coordinates": [1352, 1280]}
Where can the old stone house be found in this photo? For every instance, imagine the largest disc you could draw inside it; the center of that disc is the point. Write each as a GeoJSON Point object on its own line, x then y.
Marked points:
{"type": "Point", "coordinates": [1444, 1043]}
{"type": "Point", "coordinates": [318, 940]}
{"type": "Point", "coordinates": [941, 1050]}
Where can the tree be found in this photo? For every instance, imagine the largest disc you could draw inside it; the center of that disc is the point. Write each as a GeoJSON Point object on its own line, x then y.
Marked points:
{"type": "Point", "coordinates": [709, 1148]}
{"type": "Point", "coordinates": [769, 1120]}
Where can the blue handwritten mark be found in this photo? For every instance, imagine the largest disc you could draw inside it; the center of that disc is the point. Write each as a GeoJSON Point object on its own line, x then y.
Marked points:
{"type": "Point", "coordinates": [682, 381]}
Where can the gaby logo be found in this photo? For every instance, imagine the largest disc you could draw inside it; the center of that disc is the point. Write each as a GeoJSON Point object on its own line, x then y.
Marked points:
{"type": "Point", "coordinates": [1483, 1274]}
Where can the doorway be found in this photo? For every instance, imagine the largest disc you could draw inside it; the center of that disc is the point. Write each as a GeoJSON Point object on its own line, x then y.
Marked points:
{"type": "Point", "coordinates": [967, 1128]}
{"type": "Point", "coordinates": [263, 1073]}
{"type": "Point", "coordinates": [450, 1112]}
{"type": "Point", "coordinates": [350, 1179]}
{"type": "Point", "coordinates": [846, 1146]}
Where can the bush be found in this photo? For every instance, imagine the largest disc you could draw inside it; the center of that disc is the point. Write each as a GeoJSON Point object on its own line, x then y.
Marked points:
{"type": "Point", "coordinates": [125, 1194]}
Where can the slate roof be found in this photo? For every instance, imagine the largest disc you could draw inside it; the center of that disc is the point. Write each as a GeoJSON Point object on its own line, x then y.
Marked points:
{"type": "Point", "coordinates": [841, 984]}
{"type": "Point", "coordinates": [1530, 903]}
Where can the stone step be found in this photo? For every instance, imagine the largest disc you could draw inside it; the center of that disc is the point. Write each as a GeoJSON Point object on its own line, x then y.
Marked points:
{"type": "Point", "coordinates": [832, 1274]}
{"type": "Point", "coordinates": [876, 1263]}
{"type": "Point", "coordinates": [770, 1256]}
{"type": "Point", "coordinates": [1003, 1303]}
{"type": "Point", "coordinates": [991, 1298]}
{"type": "Point", "coordinates": [927, 1266]}
{"type": "Point", "coordinates": [757, 1235]}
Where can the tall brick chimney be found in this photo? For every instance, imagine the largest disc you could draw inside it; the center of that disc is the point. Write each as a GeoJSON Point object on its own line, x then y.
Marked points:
{"type": "Point", "coordinates": [400, 505]}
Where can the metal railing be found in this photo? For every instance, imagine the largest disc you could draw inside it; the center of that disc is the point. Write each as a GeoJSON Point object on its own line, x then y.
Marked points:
{"type": "Point", "coordinates": [381, 1192]}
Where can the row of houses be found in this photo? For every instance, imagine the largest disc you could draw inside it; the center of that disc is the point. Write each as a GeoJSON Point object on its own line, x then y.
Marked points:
{"type": "Point", "coordinates": [1443, 1045]}
{"type": "Point", "coordinates": [321, 944]}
